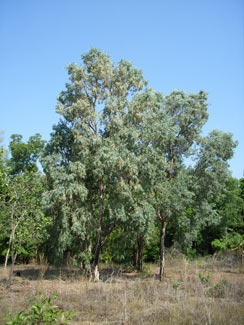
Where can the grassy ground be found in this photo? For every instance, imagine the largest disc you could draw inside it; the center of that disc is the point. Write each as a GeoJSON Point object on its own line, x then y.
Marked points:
{"type": "Point", "coordinates": [204, 291]}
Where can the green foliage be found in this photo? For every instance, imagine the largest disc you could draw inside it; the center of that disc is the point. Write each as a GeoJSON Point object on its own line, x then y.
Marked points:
{"type": "Point", "coordinates": [205, 278]}
{"type": "Point", "coordinates": [4, 188]}
{"type": "Point", "coordinates": [42, 311]}
{"type": "Point", "coordinates": [90, 162]}
{"type": "Point", "coordinates": [120, 247]}
{"type": "Point", "coordinates": [151, 250]}
{"type": "Point", "coordinates": [242, 188]}
{"type": "Point", "coordinates": [24, 155]}
{"type": "Point", "coordinates": [23, 225]}
{"type": "Point", "coordinates": [226, 223]}
{"type": "Point", "coordinates": [117, 158]}
{"type": "Point", "coordinates": [228, 233]}
{"type": "Point", "coordinates": [176, 285]}
{"type": "Point", "coordinates": [146, 270]}
{"type": "Point", "coordinates": [26, 222]}
{"type": "Point", "coordinates": [232, 240]}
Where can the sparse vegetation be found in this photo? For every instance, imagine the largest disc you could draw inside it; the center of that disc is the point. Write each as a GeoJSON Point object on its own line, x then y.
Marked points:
{"type": "Point", "coordinates": [123, 297]}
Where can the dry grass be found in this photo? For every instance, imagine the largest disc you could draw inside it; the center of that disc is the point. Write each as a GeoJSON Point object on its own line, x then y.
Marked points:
{"type": "Point", "coordinates": [205, 291]}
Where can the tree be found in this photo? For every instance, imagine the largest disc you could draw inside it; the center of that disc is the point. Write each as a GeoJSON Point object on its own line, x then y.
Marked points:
{"type": "Point", "coordinates": [167, 138]}
{"type": "Point", "coordinates": [22, 223]}
{"type": "Point", "coordinates": [24, 156]}
{"type": "Point", "coordinates": [25, 219]}
{"type": "Point", "coordinates": [90, 162]}
{"type": "Point", "coordinates": [169, 135]}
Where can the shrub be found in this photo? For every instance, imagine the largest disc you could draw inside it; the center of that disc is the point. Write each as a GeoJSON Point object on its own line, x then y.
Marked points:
{"type": "Point", "coordinates": [42, 311]}
{"type": "Point", "coordinates": [204, 278]}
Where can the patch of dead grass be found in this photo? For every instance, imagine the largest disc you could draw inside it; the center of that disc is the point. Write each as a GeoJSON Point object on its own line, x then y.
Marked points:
{"type": "Point", "coordinates": [183, 297]}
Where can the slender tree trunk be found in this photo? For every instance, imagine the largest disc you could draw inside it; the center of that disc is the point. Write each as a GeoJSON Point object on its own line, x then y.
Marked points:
{"type": "Point", "coordinates": [99, 233]}
{"type": "Point", "coordinates": [10, 276]}
{"type": "Point", "coordinates": [6, 258]}
{"type": "Point", "coordinates": [13, 255]}
{"type": "Point", "coordinates": [10, 240]}
{"type": "Point", "coordinates": [68, 259]}
{"type": "Point", "coordinates": [139, 252]}
{"type": "Point", "coordinates": [11, 271]}
{"type": "Point", "coordinates": [162, 248]}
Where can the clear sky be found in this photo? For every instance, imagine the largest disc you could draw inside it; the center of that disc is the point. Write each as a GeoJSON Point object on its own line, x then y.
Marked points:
{"type": "Point", "coordinates": [179, 44]}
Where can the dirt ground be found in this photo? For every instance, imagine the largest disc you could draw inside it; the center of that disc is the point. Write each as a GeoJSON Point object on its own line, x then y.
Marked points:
{"type": "Point", "coordinates": [204, 291]}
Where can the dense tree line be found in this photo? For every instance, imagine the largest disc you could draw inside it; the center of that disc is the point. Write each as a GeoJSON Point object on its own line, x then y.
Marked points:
{"type": "Point", "coordinates": [114, 184]}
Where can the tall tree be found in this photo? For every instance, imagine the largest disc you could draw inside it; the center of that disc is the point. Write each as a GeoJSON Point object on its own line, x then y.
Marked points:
{"type": "Point", "coordinates": [91, 169]}
{"type": "Point", "coordinates": [167, 138]}
{"type": "Point", "coordinates": [170, 135]}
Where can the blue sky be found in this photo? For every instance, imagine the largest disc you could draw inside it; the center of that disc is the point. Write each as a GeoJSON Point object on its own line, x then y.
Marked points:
{"type": "Point", "coordinates": [179, 44]}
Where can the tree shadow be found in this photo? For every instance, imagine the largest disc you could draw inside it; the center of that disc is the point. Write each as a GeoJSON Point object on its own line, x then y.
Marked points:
{"type": "Point", "coordinates": [49, 273]}
{"type": "Point", "coordinates": [107, 273]}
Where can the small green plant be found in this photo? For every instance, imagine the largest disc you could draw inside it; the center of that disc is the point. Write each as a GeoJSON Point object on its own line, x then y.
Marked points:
{"type": "Point", "coordinates": [42, 311]}
{"type": "Point", "coordinates": [176, 285]}
{"type": "Point", "coordinates": [204, 278]}
{"type": "Point", "coordinates": [199, 262]}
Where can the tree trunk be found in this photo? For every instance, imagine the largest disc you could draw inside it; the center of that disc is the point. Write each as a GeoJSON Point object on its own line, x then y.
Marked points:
{"type": "Point", "coordinates": [139, 252]}
{"type": "Point", "coordinates": [95, 273]}
{"type": "Point", "coordinates": [11, 271]}
{"type": "Point", "coordinates": [11, 239]}
{"type": "Point", "coordinates": [162, 249]}
{"type": "Point", "coordinates": [9, 282]}
{"type": "Point", "coordinates": [68, 259]}
{"type": "Point", "coordinates": [6, 258]}
{"type": "Point", "coordinates": [13, 256]}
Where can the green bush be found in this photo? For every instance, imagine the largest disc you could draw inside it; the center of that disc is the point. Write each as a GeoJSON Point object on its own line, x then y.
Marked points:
{"type": "Point", "coordinates": [42, 311]}
{"type": "Point", "coordinates": [231, 241]}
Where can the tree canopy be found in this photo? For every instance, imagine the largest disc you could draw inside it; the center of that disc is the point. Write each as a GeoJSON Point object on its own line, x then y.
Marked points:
{"type": "Point", "coordinates": [118, 156]}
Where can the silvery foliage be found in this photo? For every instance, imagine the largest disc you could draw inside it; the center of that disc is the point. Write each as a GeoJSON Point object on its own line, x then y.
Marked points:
{"type": "Point", "coordinates": [119, 151]}
{"type": "Point", "coordinates": [93, 144]}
